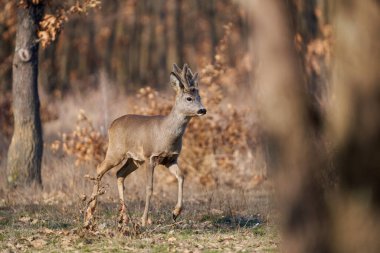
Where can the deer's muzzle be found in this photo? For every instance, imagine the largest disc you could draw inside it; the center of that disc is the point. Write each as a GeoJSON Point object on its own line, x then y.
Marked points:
{"type": "Point", "coordinates": [201, 111]}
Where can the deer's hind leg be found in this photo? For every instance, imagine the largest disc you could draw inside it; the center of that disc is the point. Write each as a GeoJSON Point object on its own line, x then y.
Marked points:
{"type": "Point", "coordinates": [176, 171]}
{"type": "Point", "coordinates": [121, 174]}
{"type": "Point", "coordinates": [148, 192]}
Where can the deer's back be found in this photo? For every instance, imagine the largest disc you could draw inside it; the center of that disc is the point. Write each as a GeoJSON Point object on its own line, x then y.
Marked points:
{"type": "Point", "coordinates": [136, 134]}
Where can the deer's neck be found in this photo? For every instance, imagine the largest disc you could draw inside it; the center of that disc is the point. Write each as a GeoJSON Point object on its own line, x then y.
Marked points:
{"type": "Point", "coordinates": [175, 124]}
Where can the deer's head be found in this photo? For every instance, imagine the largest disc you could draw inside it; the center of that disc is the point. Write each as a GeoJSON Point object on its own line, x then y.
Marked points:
{"type": "Point", "coordinates": [185, 83]}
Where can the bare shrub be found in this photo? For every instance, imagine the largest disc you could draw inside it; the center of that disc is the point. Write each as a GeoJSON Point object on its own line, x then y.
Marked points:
{"type": "Point", "coordinates": [85, 143]}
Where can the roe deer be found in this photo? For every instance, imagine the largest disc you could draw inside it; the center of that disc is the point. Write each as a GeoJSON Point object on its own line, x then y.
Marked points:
{"type": "Point", "coordinates": [135, 140]}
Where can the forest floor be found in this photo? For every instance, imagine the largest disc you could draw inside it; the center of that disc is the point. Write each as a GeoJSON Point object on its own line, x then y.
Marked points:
{"type": "Point", "coordinates": [202, 227]}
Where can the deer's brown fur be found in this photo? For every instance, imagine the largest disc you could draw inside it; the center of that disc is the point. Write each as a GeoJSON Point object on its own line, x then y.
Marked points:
{"type": "Point", "coordinates": [136, 140]}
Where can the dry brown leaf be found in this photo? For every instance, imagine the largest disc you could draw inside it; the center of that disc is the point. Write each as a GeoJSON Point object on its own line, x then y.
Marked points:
{"type": "Point", "coordinates": [38, 243]}
{"type": "Point", "coordinates": [172, 239]}
{"type": "Point", "coordinates": [48, 231]}
{"type": "Point", "coordinates": [25, 219]}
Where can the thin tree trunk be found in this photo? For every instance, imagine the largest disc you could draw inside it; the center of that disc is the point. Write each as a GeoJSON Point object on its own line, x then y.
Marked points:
{"type": "Point", "coordinates": [25, 151]}
{"type": "Point", "coordinates": [163, 43]}
{"type": "Point", "coordinates": [179, 33]}
{"type": "Point", "coordinates": [211, 18]}
{"type": "Point", "coordinates": [92, 53]}
{"type": "Point", "coordinates": [5, 72]}
{"type": "Point", "coordinates": [144, 43]}
{"type": "Point", "coordinates": [110, 44]}
{"type": "Point", "coordinates": [51, 67]}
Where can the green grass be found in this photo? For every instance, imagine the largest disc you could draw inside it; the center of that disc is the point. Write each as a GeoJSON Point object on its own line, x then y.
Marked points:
{"type": "Point", "coordinates": [259, 230]}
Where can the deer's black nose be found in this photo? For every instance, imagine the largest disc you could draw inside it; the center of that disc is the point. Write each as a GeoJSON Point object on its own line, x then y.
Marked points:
{"type": "Point", "coordinates": [202, 111]}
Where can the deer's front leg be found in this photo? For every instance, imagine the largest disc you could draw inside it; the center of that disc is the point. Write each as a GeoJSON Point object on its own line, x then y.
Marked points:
{"type": "Point", "coordinates": [175, 170]}
{"type": "Point", "coordinates": [105, 166]}
{"type": "Point", "coordinates": [89, 215]}
{"type": "Point", "coordinates": [149, 191]}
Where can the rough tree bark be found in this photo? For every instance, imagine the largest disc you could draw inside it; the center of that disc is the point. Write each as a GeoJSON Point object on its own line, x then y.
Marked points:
{"type": "Point", "coordinates": [25, 151]}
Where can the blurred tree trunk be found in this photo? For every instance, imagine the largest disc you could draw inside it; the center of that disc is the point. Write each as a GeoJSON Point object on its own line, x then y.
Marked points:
{"type": "Point", "coordinates": [92, 53]}
{"type": "Point", "coordinates": [288, 123]}
{"type": "Point", "coordinates": [171, 34]}
{"type": "Point", "coordinates": [108, 53]}
{"type": "Point", "coordinates": [6, 44]}
{"type": "Point", "coordinates": [304, 19]}
{"type": "Point", "coordinates": [121, 57]}
{"type": "Point", "coordinates": [134, 48]}
{"type": "Point", "coordinates": [25, 151]}
{"type": "Point", "coordinates": [179, 33]}
{"type": "Point", "coordinates": [164, 43]}
{"type": "Point", "coordinates": [50, 59]}
{"type": "Point", "coordinates": [5, 72]}
{"type": "Point", "coordinates": [146, 40]}
{"type": "Point", "coordinates": [307, 20]}
{"type": "Point", "coordinates": [155, 41]}
{"type": "Point", "coordinates": [211, 18]}
{"type": "Point", "coordinates": [317, 219]}
{"type": "Point", "coordinates": [354, 126]}
{"type": "Point", "coordinates": [355, 114]}
{"type": "Point", "coordinates": [63, 62]}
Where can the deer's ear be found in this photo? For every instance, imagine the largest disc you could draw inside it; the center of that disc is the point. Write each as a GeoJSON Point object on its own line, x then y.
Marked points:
{"type": "Point", "coordinates": [175, 82]}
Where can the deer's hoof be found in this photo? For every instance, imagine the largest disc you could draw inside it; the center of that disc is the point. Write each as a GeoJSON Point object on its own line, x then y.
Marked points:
{"type": "Point", "coordinates": [146, 222]}
{"type": "Point", "coordinates": [176, 212]}
{"type": "Point", "coordinates": [88, 219]}
{"type": "Point", "coordinates": [123, 219]}
{"type": "Point", "coordinates": [89, 224]}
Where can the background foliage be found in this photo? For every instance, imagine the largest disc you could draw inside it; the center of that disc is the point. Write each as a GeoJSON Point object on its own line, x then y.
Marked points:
{"type": "Point", "coordinates": [128, 47]}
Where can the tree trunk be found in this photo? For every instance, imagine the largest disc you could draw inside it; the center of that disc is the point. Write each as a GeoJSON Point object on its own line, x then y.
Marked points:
{"type": "Point", "coordinates": [108, 53]}
{"type": "Point", "coordinates": [179, 33]}
{"type": "Point", "coordinates": [25, 151]}
{"type": "Point", "coordinates": [211, 18]}
{"type": "Point", "coordinates": [354, 125]}
{"type": "Point", "coordinates": [289, 127]}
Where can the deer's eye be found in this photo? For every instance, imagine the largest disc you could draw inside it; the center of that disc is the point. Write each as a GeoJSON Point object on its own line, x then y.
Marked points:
{"type": "Point", "coordinates": [189, 99]}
